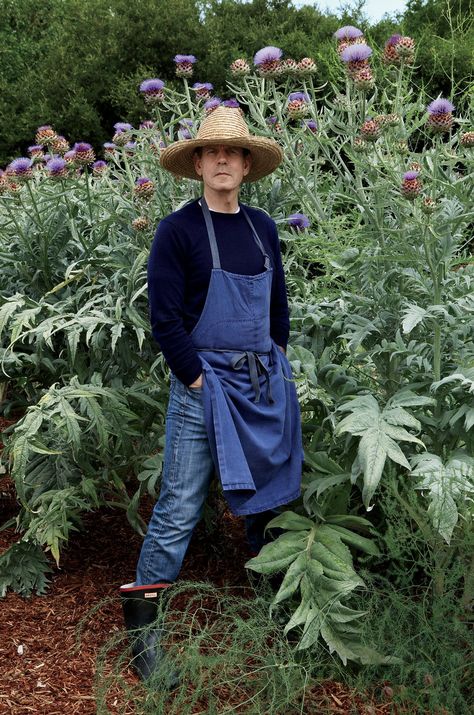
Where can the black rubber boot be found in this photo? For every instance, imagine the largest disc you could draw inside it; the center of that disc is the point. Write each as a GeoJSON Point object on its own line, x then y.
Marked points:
{"type": "Point", "coordinates": [139, 605]}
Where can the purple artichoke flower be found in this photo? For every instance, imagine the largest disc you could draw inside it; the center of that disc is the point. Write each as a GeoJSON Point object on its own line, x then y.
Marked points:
{"type": "Point", "coordinates": [211, 104]}
{"type": "Point", "coordinates": [310, 124]}
{"type": "Point", "coordinates": [202, 86]}
{"type": "Point", "coordinates": [147, 124]}
{"type": "Point", "coordinates": [392, 40]}
{"type": "Point", "coordinates": [131, 146]}
{"type": "Point", "coordinates": [298, 97]}
{"type": "Point", "coordinates": [21, 168]}
{"type": "Point", "coordinates": [98, 167]}
{"type": "Point", "coordinates": [152, 86]}
{"type": "Point", "coordinates": [82, 147]}
{"type": "Point", "coordinates": [57, 168]}
{"type": "Point", "coordinates": [142, 180]}
{"type": "Point", "coordinates": [348, 32]}
{"type": "Point", "coordinates": [410, 175]}
{"type": "Point", "coordinates": [35, 150]}
{"type": "Point", "coordinates": [267, 55]}
{"type": "Point", "coordinates": [185, 59]}
{"type": "Point", "coordinates": [440, 106]}
{"type": "Point", "coordinates": [122, 127]}
{"type": "Point", "coordinates": [152, 90]}
{"type": "Point", "coordinates": [70, 156]}
{"type": "Point", "coordinates": [109, 146]}
{"type": "Point", "coordinates": [356, 53]}
{"type": "Point", "coordinates": [233, 103]}
{"type": "Point", "coordinates": [298, 221]}
{"type": "Point", "coordinates": [184, 65]}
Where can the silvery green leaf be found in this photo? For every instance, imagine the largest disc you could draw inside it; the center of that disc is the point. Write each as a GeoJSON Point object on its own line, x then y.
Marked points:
{"type": "Point", "coordinates": [466, 378]}
{"type": "Point", "coordinates": [278, 554]}
{"type": "Point", "coordinates": [445, 483]}
{"type": "Point", "coordinates": [413, 315]}
{"type": "Point", "coordinates": [291, 521]}
{"type": "Point", "coordinates": [292, 578]}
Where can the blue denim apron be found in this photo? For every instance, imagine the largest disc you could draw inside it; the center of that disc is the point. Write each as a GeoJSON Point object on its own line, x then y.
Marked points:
{"type": "Point", "coordinates": [251, 408]}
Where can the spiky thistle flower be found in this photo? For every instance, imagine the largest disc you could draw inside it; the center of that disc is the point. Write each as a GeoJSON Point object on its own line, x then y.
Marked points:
{"type": "Point", "coordinates": [57, 168]}
{"type": "Point", "coordinates": [348, 33]}
{"type": "Point", "coordinates": [289, 67]}
{"type": "Point", "coordinates": [415, 166]}
{"type": "Point", "coordinates": [231, 102]}
{"type": "Point", "coordinates": [274, 124]}
{"type": "Point", "coordinates": [60, 145]}
{"type": "Point", "coordinates": [152, 90]}
{"type": "Point", "coordinates": [370, 130]}
{"type": "Point", "coordinates": [306, 67]}
{"type": "Point", "coordinates": [185, 126]}
{"type": "Point", "coordinates": [184, 65]}
{"type": "Point", "coordinates": [298, 105]}
{"type": "Point", "coordinates": [428, 205]}
{"type": "Point", "coordinates": [20, 169]}
{"type": "Point", "coordinates": [405, 49]}
{"type": "Point", "coordinates": [440, 118]}
{"type": "Point", "coordinates": [144, 188]}
{"type": "Point", "coordinates": [310, 124]}
{"type": "Point", "coordinates": [99, 167]}
{"type": "Point", "coordinates": [45, 135]}
{"type": "Point", "coordinates": [356, 58]}
{"type": "Point", "coordinates": [411, 185]}
{"type": "Point", "coordinates": [298, 221]}
{"type": "Point", "coordinates": [70, 157]}
{"type": "Point", "coordinates": [84, 153]}
{"type": "Point", "coordinates": [364, 79]}
{"type": "Point", "coordinates": [401, 147]}
{"type": "Point", "coordinates": [141, 223]}
{"type": "Point", "coordinates": [268, 61]}
{"type": "Point", "coordinates": [467, 140]}
{"type": "Point", "coordinates": [212, 104]}
{"type": "Point", "coordinates": [147, 124]}
{"type": "Point", "coordinates": [202, 89]}
{"type": "Point", "coordinates": [36, 152]}
{"type": "Point", "coordinates": [240, 68]}
{"type": "Point", "coordinates": [109, 148]}
{"type": "Point", "coordinates": [360, 145]}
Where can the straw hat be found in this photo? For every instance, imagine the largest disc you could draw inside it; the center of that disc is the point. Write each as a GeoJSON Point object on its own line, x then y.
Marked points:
{"type": "Point", "coordinates": [225, 125]}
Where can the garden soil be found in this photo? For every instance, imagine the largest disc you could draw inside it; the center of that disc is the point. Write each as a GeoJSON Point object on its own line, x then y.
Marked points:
{"type": "Point", "coordinates": [49, 644]}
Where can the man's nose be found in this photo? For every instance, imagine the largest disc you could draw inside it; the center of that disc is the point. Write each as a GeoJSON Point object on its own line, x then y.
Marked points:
{"type": "Point", "coordinates": [222, 155]}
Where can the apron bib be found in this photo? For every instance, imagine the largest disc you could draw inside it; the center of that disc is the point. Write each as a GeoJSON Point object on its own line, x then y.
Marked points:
{"type": "Point", "coordinates": [250, 404]}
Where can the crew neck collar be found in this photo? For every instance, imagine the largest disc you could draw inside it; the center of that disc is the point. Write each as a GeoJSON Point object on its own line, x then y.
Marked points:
{"type": "Point", "coordinates": [222, 213]}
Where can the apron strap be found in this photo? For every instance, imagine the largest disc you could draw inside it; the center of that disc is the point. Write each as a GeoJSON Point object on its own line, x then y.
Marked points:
{"type": "Point", "coordinates": [216, 261]}
{"type": "Point", "coordinates": [257, 238]}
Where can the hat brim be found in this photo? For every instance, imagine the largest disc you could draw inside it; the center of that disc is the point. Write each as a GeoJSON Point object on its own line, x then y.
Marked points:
{"type": "Point", "coordinates": [266, 153]}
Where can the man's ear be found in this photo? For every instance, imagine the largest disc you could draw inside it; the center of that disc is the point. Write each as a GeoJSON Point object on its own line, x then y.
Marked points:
{"type": "Point", "coordinates": [197, 164]}
{"type": "Point", "coordinates": [247, 163]}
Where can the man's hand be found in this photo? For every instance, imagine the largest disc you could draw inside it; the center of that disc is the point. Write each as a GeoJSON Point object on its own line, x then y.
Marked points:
{"type": "Point", "coordinates": [198, 382]}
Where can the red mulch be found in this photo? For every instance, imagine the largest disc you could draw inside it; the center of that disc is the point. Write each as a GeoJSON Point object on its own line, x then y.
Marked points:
{"type": "Point", "coordinates": [45, 669]}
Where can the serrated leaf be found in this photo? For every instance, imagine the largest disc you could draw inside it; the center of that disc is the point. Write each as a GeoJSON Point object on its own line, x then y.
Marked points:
{"type": "Point", "coordinates": [292, 579]}
{"type": "Point", "coordinates": [413, 315]}
{"type": "Point", "coordinates": [278, 554]}
{"type": "Point", "coordinates": [291, 522]}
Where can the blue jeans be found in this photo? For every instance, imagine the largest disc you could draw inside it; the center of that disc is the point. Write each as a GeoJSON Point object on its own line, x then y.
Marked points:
{"type": "Point", "coordinates": [188, 469]}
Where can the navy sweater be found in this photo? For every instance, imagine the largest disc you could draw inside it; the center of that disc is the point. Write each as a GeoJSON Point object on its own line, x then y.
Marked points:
{"type": "Point", "coordinates": [179, 271]}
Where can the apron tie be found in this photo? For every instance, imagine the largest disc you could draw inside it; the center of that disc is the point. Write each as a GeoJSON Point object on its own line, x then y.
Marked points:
{"type": "Point", "coordinates": [256, 368]}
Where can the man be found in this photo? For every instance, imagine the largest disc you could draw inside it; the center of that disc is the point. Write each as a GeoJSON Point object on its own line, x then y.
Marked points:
{"type": "Point", "coordinates": [219, 311]}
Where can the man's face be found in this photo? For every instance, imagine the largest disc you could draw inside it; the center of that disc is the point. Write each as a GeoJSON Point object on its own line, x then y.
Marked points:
{"type": "Point", "coordinates": [222, 167]}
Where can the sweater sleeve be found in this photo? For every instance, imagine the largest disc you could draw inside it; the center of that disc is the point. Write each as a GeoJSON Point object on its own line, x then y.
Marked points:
{"type": "Point", "coordinates": [279, 313]}
{"type": "Point", "coordinates": [166, 290]}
